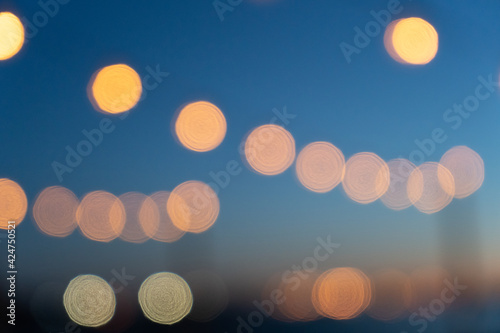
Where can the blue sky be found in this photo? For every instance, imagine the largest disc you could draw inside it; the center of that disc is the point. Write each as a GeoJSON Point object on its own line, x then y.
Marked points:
{"type": "Point", "coordinates": [259, 58]}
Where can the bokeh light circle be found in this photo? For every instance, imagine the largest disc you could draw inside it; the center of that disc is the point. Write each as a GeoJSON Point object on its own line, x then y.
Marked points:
{"type": "Point", "coordinates": [297, 304]}
{"type": "Point", "coordinates": [89, 301]}
{"type": "Point", "coordinates": [193, 206]}
{"type": "Point", "coordinates": [166, 231]}
{"type": "Point", "coordinates": [137, 230]}
{"type": "Point", "coordinates": [115, 89]}
{"type": "Point", "coordinates": [467, 168]}
{"type": "Point", "coordinates": [320, 166]}
{"type": "Point", "coordinates": [101, 216]}
{"type": "Point", "coordinates": [396, 196]}
{"type": "Point", "coordinates": [366, 178]}
{"type": "Point", "coordinates": [165, 298]}
{"type": "Point", "coordinates": [13, 203]}
{"type": "Point", "coordinates": [341, 293]}
{"type": "Point", "coordinates": [269, 149]}
{"type": "Point", "coordinates": [54, 211]}
{"type": "Point", "coordinates": [200, 126]}
{"type": "Point", "coordinates": [411, 41]}
{"type": "Point", "coordinates": [392, 295]}
{"type": "Point", "coordinates": [11, 35]}
{"type": "Point", "coordinates": [431, 187]}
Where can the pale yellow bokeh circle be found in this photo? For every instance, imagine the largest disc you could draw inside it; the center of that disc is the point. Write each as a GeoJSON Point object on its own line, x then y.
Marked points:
{"type": "Point", "coordinates": [165, 298]}
{"type": "Point", "coordinates": [269, 149]}
{"type": "Point", "coordinates": [11, 35]}
{"type": "Point", "coordinates": [413, 41]}
{"type": "Point", "coordinates": [200, 126]}
{"type": "Point", "coordinates": [115, 89]}
{"type": "Point", "coordinates": [320, 166]}
{"type": "Point", "coordinates": [89, 301]}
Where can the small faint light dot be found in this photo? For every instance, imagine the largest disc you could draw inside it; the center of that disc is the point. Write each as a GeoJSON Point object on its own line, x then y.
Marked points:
{"type": "Point", "coordinates": [89, 301]}
{"type": "Point", "coordinates": [165, 298]}
{"type": "Point", "coordinates": [115, 89]}
{"type": "Point", "coordinates": [13, 203]}
{"type": "Point", "coordinates": [193, 206]}
{"type": "Point", "coordinates": [467, 168]}
{"type": "Point", "coordinates": [11, 35]}
{"type": "Point", "coordinates": [320, 166]}
{"type": "Point", "coordinates": [342, 293]}
{"type": "Point", "coordinates": [411, 41]}
{"type": "Point", "coordinates": [101, 216]}
{"type": "Point", "coordinates": [200, 126]}
{"type": "Point", "coordinates": [431, 187]}
{"type": "Point", "coordinates": [396, 196]}
{"type": "Point", "coordinates": [54, 211]}
{"type": "Point", "coordinates": [269, 149]}
{"type": "Point", "coordinates": [366, 177]}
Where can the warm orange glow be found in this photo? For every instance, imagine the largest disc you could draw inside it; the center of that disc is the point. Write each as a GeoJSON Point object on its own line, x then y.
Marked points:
{"type": "Point", "coordinates": [366, 178]}
{"type": "Point", "coordinates": [54, 211]}
{"type": "Point", "coordinates": [411, 41]}
{"type": "Point", "coordinates": [297, 305]}
{"type": "Point", "coordinates": [193, 206]}
{"type": "Point", "coordinates": [134, 230]}
{"type": "Point", "coordinates": [320, 166]}
{"type": "Point", "coordinates": [270, 149]}
{"type": "Point", "coordinates": [200, 126]}
{"type": "Point", "coordinates": [431, 187]}
{"type": "Point", "coordinates": [341, 293]}
{"type": "Point", "coordinates": [101, 216]}
{"type": "Point", "coordinates": [115, 89]}
{"type": "Point", "coordinates": [396, 196]}
{"type": "Point", "coordinates": [11, 35]}
{"type": "Point", "coordinates": [392, 295]}
{"type": "Point", "coordinates": [166, 230]}
{"type": "Point", "coordinates": [467, 168]}
{"type": "Point", "coordinates": [13, 203]}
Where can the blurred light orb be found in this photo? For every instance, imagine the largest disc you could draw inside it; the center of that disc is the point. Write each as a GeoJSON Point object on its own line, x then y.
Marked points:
{"type": "Point", "coordinates": [297, 304]}
{"type": "Point", "coordinates": [320, 167]}
{"type": "Point", "coordinates": [467, 168]}
{"type": "Point", "coordinates": [269, 149]}
{"type": "Point", "coordinates": [200, 126]}
{"type": "Point", "coordinates": [115, 89]}
{"type": "Point", "coordinates": [411, 41]}
{"type": "Point", "coordinates": [11, 35]}
{"type": "Point", "coordinates": [210, 295]}
{"type": "Point", "coordinates": [134, 230]}
{"type": "Point", "coordinates": [392, 295]}
{"type": "Point", "coordinates": [101, 216]}
{"type": "Point", "coordinates": [431, 187]}
{"type": "Point", "coordinates": [366, 178]}
{"type": "Point", "coordinates": [396, 197]}
{"type": "Point", "coordinates": [165, 298]}
{"type": "Point", "coordinates": [89, 301]}
{"type": "Point", "coordinates": [193, 206]}
{"type": "Point", "coordinates": [13, 203]}
{"type": "Point", "coordinates": [156, 209]}
{"type": "Point", "coordinates": [54, 211]}
{"type": "Point", "coordinates": [342, 293]}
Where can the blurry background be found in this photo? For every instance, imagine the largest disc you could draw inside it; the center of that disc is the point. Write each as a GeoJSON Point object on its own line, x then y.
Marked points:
{"type": "Point", "coordinates": [256, 62]}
